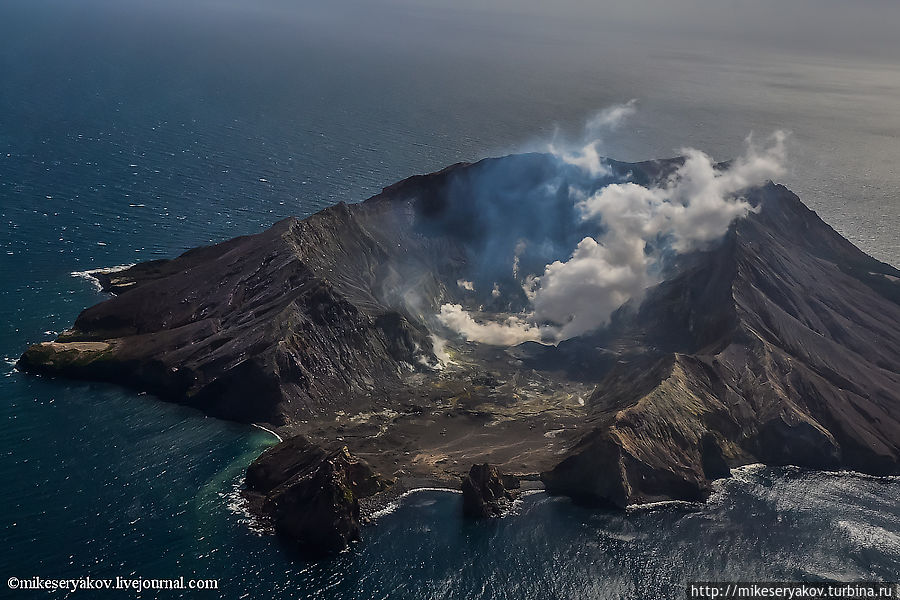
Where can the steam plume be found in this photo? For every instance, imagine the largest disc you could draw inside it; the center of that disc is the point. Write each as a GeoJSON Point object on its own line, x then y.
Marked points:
{"type": "Point", "coordinates": [691, 208]}
{"type": "Point", "coordinates": [588, 156]}
{"type": "Point", "coordinates": [514, 330]}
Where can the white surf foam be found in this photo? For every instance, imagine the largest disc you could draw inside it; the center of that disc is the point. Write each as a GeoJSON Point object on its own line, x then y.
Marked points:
{"type": "Point", "coordinates": [266, 429]}
{"type": "Point", "coordinates": [91, 275]}
{"type": "Point", "coordinates": [663, 504]}
{"type": "Point", "coordinates": [395, 504]}
{"type": "Point", "coordinates": [237, 504]}
{"type": "Point", "coordinates": [11, 364]}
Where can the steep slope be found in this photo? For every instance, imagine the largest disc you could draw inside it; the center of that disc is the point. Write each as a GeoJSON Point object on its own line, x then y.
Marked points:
{"type": "Point", "coordinates": [252, 329]}
{"type": "Point", "coordinates": [789, 354]}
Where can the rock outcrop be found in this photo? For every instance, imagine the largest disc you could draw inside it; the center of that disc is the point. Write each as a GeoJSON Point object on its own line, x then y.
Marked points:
{"type": "Point", "coordinates": [487, 492]}
{"type": "Point", "coordinates": [311, 496]}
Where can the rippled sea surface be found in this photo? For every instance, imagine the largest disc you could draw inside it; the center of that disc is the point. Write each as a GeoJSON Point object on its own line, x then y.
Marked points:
{"type": "Point", "coordinates": [132, 130]}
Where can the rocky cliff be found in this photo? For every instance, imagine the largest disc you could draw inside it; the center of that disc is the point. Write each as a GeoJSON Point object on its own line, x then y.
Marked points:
{"type": "Point", "coordinates": [310, 496]}
{"type": "Point", "coordinates": [487, 492]}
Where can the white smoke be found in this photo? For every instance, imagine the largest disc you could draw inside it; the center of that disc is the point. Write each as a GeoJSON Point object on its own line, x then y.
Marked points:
{"type": "Point", "coordinates": [689, 209]}
{"type": "Point", "coordinates": [520, 248]}
{"type": "Point", "coordinates": [588, 156]}
{"type": "Point", "coordinates": [578, 295]}
{"type": "Point", "coordinates": [693, 207]}
{"type": "Point", "coordinates": [610, 118]}
{"type": "Point", "coordinates": [513, 330]}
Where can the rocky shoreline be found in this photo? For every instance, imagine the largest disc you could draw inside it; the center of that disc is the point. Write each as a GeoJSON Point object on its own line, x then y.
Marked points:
{"type": "Point", "coordinates": [317, 500]}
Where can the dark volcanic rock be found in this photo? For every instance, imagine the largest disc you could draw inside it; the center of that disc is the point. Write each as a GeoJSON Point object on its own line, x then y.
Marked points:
{"type": "Point", "coordinates": [778, 344]}
{"type": "Point", "coordinates": [487, 492]}
{"type": "Point", "coordinates": [282, 462]}
{"type": "Point", "coordinates": [245, 328]}
{"type": "Point", "coordinates": [311, 496]}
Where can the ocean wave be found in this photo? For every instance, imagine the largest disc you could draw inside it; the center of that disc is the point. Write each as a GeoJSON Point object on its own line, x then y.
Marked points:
{"type": "Point", "coordinates": [238, 504]}
{"type": "Point", "coordinates": [267, 430]}
{"type": "Point", "coordinates": [663, 504]}
{"type": "Point", "coordinates": [864, 535]}
{"type": "Point", "coordinates": [858, 475]}
{"type": "Point", "coordinates": [393, 505]}
{"type": "Point", "coordinates": [11, 363]}
{"type": "Point", "coordinates": [90, 275]}
{"type": "Point", "coordinates": [747, 471]}
{"type": "Point", "coordinates": [517, 505]}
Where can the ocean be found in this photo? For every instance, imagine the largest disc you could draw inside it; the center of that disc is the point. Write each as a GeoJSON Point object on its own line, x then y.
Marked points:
{"type": "Point", "coordinates": [132, 130]}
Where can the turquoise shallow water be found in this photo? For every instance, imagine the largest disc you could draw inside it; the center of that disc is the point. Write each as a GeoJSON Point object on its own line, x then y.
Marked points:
{"type": "Point", "coordinates": [135, 130]}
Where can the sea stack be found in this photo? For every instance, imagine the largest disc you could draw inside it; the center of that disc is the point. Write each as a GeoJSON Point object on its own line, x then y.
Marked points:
{"type": "Point", "coordinates": [487, 492]}
{"type": "Point", "coordinates": [311, 496]}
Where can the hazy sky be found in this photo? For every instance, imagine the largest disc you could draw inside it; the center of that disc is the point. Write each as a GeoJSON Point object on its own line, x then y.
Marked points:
{"type": "Point", "coordinates": [815, 27]}
{"type": "Point", "coordinates": [404, 86]}
{"type": "Point", "coordinates": [863, 26]}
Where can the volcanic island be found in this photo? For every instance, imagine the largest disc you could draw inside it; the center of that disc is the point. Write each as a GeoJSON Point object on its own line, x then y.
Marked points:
{"type": "Point", "coordinates": [776, 343]}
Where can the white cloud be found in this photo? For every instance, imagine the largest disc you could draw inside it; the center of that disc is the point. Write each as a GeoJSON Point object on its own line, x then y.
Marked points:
{"type": "Point", "coordinates": [587, 158]}
{"type": "Point", "coordinates": [695, 205]}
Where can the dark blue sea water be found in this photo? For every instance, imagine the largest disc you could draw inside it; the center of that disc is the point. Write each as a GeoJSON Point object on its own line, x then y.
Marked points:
{"type": "Point", "coordinates": [132, 130]}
